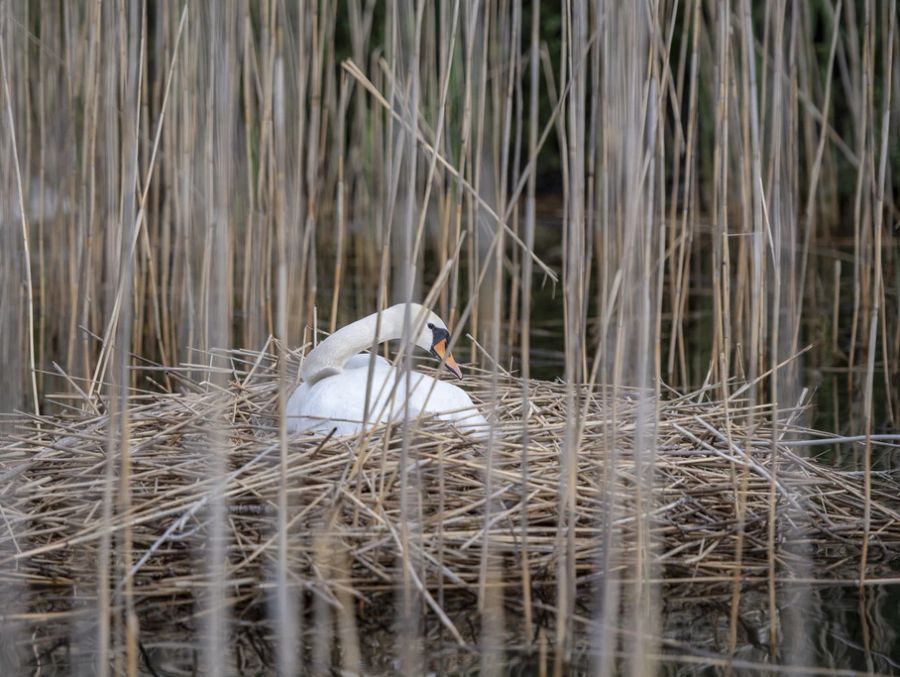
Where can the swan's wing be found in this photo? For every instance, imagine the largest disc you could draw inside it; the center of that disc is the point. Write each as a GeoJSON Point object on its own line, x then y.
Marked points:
{"type": "Point", "coordinates": [361, 361]}
{"type": "Point", "coordinates": [449, 403]}
{"type": "Point", "coordinates": [339, 401]}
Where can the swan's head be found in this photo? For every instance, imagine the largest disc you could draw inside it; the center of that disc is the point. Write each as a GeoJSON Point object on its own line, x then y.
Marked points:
{"type": "Point", "coordinates": [435, 339]}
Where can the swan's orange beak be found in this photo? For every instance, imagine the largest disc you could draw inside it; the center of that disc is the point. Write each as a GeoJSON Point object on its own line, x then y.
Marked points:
{"type": "Point", "coordinates": [440, 349]}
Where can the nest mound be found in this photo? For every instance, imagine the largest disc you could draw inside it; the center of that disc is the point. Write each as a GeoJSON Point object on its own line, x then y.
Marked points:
{"type": "Point", "coordinates": [364, 512]}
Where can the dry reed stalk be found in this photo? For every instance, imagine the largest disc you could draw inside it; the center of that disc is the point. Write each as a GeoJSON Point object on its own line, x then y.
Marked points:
{"type": "Point", "coordinates": [286, 607]}
{"type": "Point", "coordinates": [527, 272]}
{"type": "Point", "coordinates": [23, 222]}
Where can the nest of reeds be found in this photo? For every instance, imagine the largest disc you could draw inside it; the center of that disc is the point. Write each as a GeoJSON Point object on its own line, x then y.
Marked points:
{"type": "Point", "coordinates": [364, 512]}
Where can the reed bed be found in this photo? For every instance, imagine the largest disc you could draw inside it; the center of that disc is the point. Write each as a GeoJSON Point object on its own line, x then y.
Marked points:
{"type": "Point", "coordinates": [345, 549]}
{"type": "Point", "coordinates": [686, 210]}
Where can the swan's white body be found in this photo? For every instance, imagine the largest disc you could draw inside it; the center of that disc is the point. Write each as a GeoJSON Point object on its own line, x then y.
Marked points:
{"type": "Point", "coordinates": [336, 381]}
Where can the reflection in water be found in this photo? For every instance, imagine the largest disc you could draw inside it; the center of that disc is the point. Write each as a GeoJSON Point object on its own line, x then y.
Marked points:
{"type": "Point", "coordinates": [847, 631]}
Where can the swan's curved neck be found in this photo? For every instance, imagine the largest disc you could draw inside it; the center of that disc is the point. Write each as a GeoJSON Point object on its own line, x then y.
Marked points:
{"type": "Point", "coordinates": [330, 356]}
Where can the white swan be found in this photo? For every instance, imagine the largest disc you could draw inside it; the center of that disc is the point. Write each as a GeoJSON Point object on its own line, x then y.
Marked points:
{"type": "Point", "coordinates": [336, 379]}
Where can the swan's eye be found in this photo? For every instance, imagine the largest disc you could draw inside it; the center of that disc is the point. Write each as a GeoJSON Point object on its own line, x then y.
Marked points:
{"type": "Point", "coordinates": [439, 334]}
{"type": "Point", "coordinates": [430, 326]}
